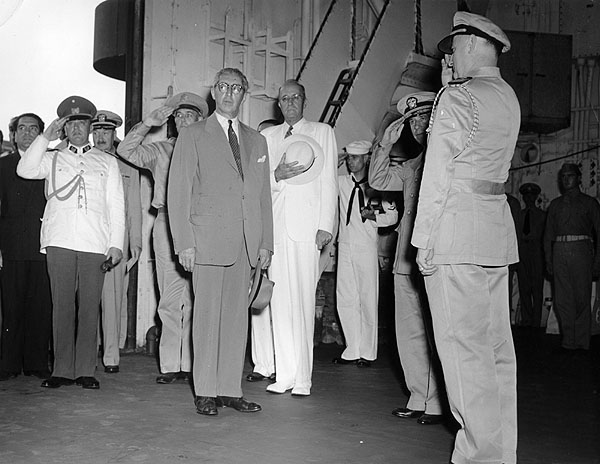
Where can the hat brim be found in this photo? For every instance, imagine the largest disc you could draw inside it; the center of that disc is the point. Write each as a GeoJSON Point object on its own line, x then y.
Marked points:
{"type": "Point", "coordinates": [409, 114]}
{"type": "Point", "coordinates": [78, 116]}
{"type": "Point", "coordinates": [103, 125]}
{"type": "Point", "coordinates": [314, 169]}
{"type": "Point", "coordinates": [445, 45]}
{"type": "Point", "coordinates": [261, 290]}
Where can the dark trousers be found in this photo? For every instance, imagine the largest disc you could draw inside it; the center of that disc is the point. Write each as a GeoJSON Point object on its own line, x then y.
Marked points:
{"type": "Point", "coordinates": [572, 263]}
{"type": "Point", "coordinates": [531, 282]}
{"type": "Point", "coordinates": [76, 282]}
{"type": "Point", "coordinates": [220, 326]}
{"type": "Point", "coordinates": [26, 316]}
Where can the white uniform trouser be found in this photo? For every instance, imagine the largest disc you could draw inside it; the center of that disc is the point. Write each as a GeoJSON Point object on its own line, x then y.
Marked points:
{"type": "Point", "coordinates": [263, 355]}
{"type": "Point", "coordinates": [471, 322]}
{"type": "Point", "coordinates": [294, 269]}
{"type": "Point", "coordinates": [175, 305]}
{"type": "Point", "coordinates": [357, 295]}
{"type": "Point", "coordinates": [114, 312]}
{"type": "Point", "coordinates": [413, 346]}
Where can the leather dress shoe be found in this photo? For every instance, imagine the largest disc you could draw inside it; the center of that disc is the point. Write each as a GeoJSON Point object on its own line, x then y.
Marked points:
{"type": "Point", "coordinates": [206, 405]}
{"type": "Point", "coordinates": [55, 382]}
{"type": "Point", "coordinates": [89, 383]}
{"type": "Point", "coordinates": [363, 363]}
{"type": "Point", "coordinates": [167, 377]}
{"type": "Point", "coordinates": [406, 413]}
{"type": "Point", "coordinates": [183, 376]}
{"type": "Point", "coordinates": [430, 419]}
{"type": "Point", "coordinates": [239, 404]}
{"type": "Point", "coordinates": [257, 377]}
{"type": "Point", "coordinates": [4, 375]}
{"type": "Point", "coordinates": [111, 369]}
{"type": "Point", "coordinates": [40, 374]}
{"type": "Point", "coordinates": [340, 360]}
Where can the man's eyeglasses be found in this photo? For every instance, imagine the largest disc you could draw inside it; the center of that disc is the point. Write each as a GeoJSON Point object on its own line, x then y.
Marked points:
{"type": "Point", "coordinates": [287, 99]}
{"type": "Point", "coordinates": [224, 87]}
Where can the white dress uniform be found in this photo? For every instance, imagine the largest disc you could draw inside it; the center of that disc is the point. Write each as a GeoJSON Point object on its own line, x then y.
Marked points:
{"type": "Point", "coordinates": [358, 270]}
{"type": "Point", "coordinates": [83, 219]}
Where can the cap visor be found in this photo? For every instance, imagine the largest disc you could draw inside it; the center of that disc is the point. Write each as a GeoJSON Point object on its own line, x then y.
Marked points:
{"type": "Point", "coordinates": [445, 45]}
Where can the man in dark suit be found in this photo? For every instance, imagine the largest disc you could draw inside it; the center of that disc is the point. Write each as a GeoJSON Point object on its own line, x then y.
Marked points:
{"type": "Point", "coordinates": [26, 303]}
{"type": "Point", "coordinates": [219, 198]}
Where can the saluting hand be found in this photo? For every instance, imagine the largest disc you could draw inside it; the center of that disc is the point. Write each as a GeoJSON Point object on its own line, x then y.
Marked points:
{"type": "Point", "coordinates": [447, 72]}
{"type": "Point", "coordinates": [392, 133]}
{"type": "Point", "coordinates": [158, 116]}
{"type": "Point", "coordinates": [54, 129]}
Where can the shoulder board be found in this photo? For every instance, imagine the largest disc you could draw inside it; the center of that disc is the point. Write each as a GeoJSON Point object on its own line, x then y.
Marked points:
{"type": "Point", "coordinates": [459, 82]}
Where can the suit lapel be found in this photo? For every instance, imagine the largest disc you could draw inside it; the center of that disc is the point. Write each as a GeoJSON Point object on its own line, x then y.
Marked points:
{"type": "Point", "coordinates": [245, 154]}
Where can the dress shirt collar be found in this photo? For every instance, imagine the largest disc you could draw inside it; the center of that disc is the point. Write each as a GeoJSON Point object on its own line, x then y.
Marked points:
{"type": "Point", "coordinates": [296, 126]}
{"type": "Point", "coordinates": [223, 121]}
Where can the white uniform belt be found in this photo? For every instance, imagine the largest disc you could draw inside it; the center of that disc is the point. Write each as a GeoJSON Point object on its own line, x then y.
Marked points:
{"type": "Point", "coordinates": [571, 238]}
{"type": "Point", "coordinates": [482, 187]}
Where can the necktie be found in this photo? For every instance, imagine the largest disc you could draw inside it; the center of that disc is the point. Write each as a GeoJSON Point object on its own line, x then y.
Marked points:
{"type": "Point", "coordinates": [235, 148]}
{"type": "Point", "coordinates": [361, 198]}
{"type": "Point", "coordinates": [289, 132]}
{"type": "Point", "coordinates": [527, 222]}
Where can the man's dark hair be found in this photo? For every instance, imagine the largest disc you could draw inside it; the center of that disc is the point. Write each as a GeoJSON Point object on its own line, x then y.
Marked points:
{"type": "Point", "coordinates": [14, 122]}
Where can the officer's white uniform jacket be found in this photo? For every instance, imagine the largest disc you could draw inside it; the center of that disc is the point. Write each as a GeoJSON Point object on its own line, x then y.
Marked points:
{"type": "Point", "coordinates": [85, 209]}
{"type": "Point", "coordinates": [462, 212]}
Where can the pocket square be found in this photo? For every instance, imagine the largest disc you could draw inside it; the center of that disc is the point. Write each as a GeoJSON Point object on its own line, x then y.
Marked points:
{"type": "Point", "coordinates": [262, 159]}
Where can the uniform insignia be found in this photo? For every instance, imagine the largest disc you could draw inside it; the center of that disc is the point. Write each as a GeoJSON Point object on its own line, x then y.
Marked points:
{"type": "Point", "coordinates": [411, 103]}
{"type": "Point", "coordinates": [102, 118]}
{"type": "Point", "coordinates": [75, 110]}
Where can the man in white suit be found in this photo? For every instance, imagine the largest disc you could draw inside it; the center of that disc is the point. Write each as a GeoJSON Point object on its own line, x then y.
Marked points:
{"type": "Point", "coordinates": [304, 196]}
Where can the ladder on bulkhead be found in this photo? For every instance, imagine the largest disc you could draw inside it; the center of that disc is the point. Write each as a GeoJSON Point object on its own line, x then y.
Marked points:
{"type": "Point", "coordinates": [339, 95]}
{"type": "Point", "coordinates": [343, 85]}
